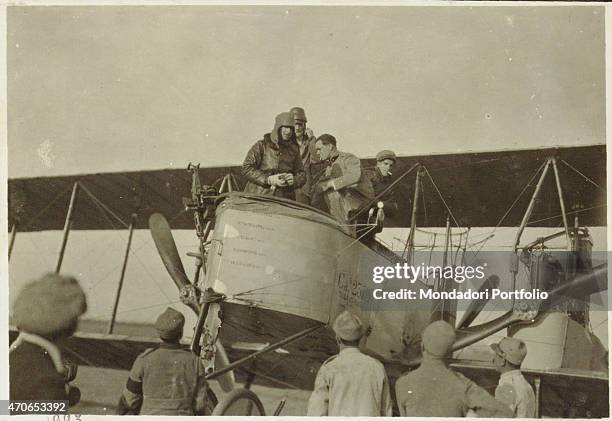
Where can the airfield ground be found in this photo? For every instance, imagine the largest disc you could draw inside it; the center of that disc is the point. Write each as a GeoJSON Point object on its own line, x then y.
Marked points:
{"type": "Point", "coordinates": [101, 388]}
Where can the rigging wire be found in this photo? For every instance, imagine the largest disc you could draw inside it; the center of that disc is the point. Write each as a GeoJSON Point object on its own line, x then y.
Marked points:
{"type": "Point", "coordinates": [104, 208]}
{"type": "Point", "coordinates": [584, 176]}
{"type": "Point", "coordinates": [356, 240]}
{"type": "Point", "coordinates": [149, 307]}
{"type": "Point", "coordinates": [454, 234]}
{"type": "Point", "coordinates": [35, 217]}
{"type": "Point", "coordinates": [520, 194]}
{"type": "Point", "coordinates": [492, 232]}
{"type": "Point", "coordinates": [152, 277]}
{"type": "Point", "coordinates": [423, 201]}
{"type": "Point", "coordinates": [298, 279]}
{"type": "Point", "coordinates": [603, 205]}
{"type": "Point", "coordinates": [441, 197]}
{"type": "Point", "coordinates": [110, 211]}
{"type": "Point", "coordinates": [40, 251]}
{"type": "Point", "coordinates": [264, 304]}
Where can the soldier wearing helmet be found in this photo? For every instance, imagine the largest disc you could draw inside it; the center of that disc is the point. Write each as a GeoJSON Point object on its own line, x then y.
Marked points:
{"type": "Point", "coordinates": [434, 390]}
{"type": "Point", "coordinates": [513, 389]}
{"type": "Point", "coordinates": [381, 178]}
{"type": "Point", "coordinates": [350, 383]}
{"type": "Point", "coordinates": [306, 141]}
{"type": "Point", "coordinates": [273, 165]}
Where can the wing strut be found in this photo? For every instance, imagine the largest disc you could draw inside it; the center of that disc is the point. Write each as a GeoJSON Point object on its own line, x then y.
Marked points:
{"type": "Point", "coordinates": [111, 323]}
{"type": "Point", "coordinates": [67, 226]}
{"type": "Point", "coordinates": [267, 349]}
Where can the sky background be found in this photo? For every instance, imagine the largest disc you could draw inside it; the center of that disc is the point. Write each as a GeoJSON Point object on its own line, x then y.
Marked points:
{"type": "Point", "coordinates": [98, 89]}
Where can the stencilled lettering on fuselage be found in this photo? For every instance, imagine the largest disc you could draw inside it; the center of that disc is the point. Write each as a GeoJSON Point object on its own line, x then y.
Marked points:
{"type": "Point", "coordinates": [256, 226]}
{"type": "Point", "coordinates": [349, 289]}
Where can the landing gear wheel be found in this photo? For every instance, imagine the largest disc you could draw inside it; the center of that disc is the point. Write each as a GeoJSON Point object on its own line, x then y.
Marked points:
{"type": "Point", "coordinates": [240, 402]}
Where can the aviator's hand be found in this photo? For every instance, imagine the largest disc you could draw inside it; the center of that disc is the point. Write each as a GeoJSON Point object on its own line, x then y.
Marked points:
{"type": "Point", "coordinates": [289, 179]}
{"type": "Point", "coordinates": [276, 180]}
{"type": "Point", "coordinates": [309, 133]}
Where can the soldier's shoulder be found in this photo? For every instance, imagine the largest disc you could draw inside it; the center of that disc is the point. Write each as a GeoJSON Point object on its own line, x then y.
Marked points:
{"type": "Point", "coordinates": [329, 360]}
{"type": "Point", "coordinates": [346, 155]}
{"type": "Point", "coordinates": [146, 352]}
{"type": "Point", "coordinates": [258, 144]}
{"type": "Point", "coordinates": [505, 389]}
{"type": "Point", "coordinates": [371, 360]}
{"type": "Point", "coordinates": [261, 142]}
{"type": "Point", "coordinates": [466, 383]}
{"type": "Point", "coordinates": [404, 380]}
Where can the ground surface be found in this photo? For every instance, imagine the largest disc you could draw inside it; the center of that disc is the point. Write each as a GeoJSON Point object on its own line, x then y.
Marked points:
{"type": "Point", "coordinates": [101, 389]}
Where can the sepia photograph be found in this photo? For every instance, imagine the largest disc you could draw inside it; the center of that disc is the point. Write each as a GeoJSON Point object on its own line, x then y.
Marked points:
{"type": "Point", "coordinates": [305, 209]}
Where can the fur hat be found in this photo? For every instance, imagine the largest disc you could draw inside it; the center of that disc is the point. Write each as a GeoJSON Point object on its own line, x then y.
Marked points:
{"type": "Point", "coordinates": [49, 305]}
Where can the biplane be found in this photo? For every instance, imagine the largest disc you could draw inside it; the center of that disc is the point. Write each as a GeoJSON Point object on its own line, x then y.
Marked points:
{"type": "Point", "coordinates": [271, 274]}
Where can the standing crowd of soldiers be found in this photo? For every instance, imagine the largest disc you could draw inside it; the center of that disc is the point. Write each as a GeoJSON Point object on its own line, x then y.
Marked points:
{"type": "Point", "coordinates": [354, 384]}
{"type": "Point", "coordinates": [170, 380]}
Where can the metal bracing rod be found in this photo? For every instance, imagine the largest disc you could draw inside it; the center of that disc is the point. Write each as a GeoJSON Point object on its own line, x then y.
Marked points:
{"type": "Point", "coordinates": [12, 239]}
{"type": "Point", "coordinates": [67, 225]}
{"type": "Point", "coordinates": [270, 348]}
{"type": "Point", "coordinates": [562, 204]}
{"type": "Point", "coordinates": [536, 192]}
{"type": "Point", "coordinates": [111, 324]}
{"type": "Point", "coordinates": [222, 187]}
{"type": "Point", "coordinates": [230, 186]}
{"type": "Point", "coordinates": [537, 382]}
{"type": "Point", "coordinates": [410, 243]}
{"type": "Point", "coordinates": [447, 242]}
{"type": "Point", "coordinates": [195, 341]}
{"type": "Point", "coordinates": [196, 275]}
{"type": "Point", "coordinates": [441, 283]}
{"type": "Point", "coordinates": [531, 205]}
{"type": "Point", "coordinates": [234, 181]}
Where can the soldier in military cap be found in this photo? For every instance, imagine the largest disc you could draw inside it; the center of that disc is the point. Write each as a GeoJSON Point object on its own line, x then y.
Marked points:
{"type": "Point", "coordinates": [167, 380]}
{"type": "Point", "coordinates": [434, 390]}
{"type": "Point", "coordinates": [306, 141]}
{"type": "Point", "coordinates": [513, 389]}
{"type": "Point", "coordinates": [45, 312]}
{"type": "Point", "coordinates": [381, 178]}
{"type": "Point", "coordinates": [350, 383]}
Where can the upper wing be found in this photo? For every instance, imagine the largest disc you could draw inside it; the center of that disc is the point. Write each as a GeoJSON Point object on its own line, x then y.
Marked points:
{"type": "Point", "coordinates": [478, 187]}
